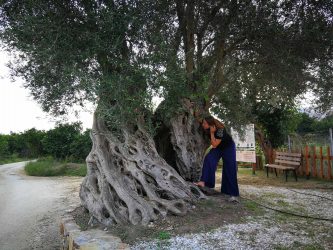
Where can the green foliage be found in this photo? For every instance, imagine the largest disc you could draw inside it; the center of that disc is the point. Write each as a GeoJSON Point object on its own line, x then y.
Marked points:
{"type": "Point", "coordinates": [32, 143]}
{"type": "Point", "coordinates": [48, 166]}
{"type": "Point", "coordinates": [45, 167]}
{"type": "Point", "coordinates": [323, 124]}
{"type": "Point", "coordinates": [25, 145]}
{"type": "Point", "coordinates": [309, 124]}
{"type": "Point", "coordinates": [252, 206]}
{"type": "Point", "coordinates": [81, 146]}
{"type": "Point", "coordinates": [306, 124]}
{"type": "Point", "coordinates": [63, 142]}
{"type": "Point", "coordinates": [73, 169]}
{"type": "Point", "coordinates": [232, 57]}
{"type": "Point", "coordinates": [277, 122]}
{"type": "Point", "coordinates": [85, 45]}
{"type": "Point", "coordinates": [58, 141]}
{"type": "Point", "coordinates": [4, 150]}
{"type": "Point", "coordinates": [163, 235]}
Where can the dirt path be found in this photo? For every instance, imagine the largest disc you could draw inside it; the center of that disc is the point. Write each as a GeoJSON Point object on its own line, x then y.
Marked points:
{"type": "Point", "coordinates": [31, 208]}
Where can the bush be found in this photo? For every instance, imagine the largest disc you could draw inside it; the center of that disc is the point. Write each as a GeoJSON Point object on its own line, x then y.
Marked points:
{"type": "Point", "coordinates": [44, 167]}
{"type": "Point", "coordinates": [57, 141]}
{"type": "Point", "coordinates": [65, 142]}
{"type": "Point", "coordinates": [74, 169]}
{"type": "Point", "coordinates": [50, 167]}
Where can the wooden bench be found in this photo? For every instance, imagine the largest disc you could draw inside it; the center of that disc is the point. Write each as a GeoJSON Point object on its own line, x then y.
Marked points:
{"type": "Point", "coordinates": [287, 162]}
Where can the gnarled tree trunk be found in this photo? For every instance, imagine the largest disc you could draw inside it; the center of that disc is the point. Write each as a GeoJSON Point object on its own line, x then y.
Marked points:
{"type": "Point", "coordinates": [128, 182]}
{"type": "Point", "coordinates": [189, 145]}
{"type": "Point", "coordinates": [182, 143]}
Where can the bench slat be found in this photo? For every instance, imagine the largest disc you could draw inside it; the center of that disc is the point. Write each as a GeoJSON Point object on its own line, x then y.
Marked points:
{"type": "Point", "coordinates": [289, 154]}
{"type": "Point", "coordinates": [279, 166]}
{"type": "Point", "coordinates": [288, 162]}
{"type": "Point", "coordinates": [280, 157]}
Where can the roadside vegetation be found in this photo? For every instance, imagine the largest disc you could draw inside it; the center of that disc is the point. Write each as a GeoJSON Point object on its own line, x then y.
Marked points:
{"type": "Point", "coordinates": [50, 167]}
{"type": "Point", "coordinates": [13, 158]}
{"type": "Point", "coordinates": [60, 151]}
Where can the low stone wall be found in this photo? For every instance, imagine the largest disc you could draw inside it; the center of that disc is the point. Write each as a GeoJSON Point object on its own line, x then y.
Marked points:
{"type": "Point", "coordinates": [92, 239]}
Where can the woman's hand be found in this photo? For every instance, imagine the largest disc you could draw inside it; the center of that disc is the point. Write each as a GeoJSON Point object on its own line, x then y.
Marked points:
{"type": "Point", "coordinates": [213, 141]}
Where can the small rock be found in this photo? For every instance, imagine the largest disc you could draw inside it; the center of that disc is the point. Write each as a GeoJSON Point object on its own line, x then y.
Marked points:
{"type": "Point", "coordinates": [151, 225]}
{"type": "Point", "coordinates": [106, 229]}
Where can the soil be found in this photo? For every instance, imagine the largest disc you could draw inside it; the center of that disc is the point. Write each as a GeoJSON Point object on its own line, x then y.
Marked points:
{"type": "Point", "coordinates": [206, 215]}
{"type": "Point", "coordinates": [217, 216]}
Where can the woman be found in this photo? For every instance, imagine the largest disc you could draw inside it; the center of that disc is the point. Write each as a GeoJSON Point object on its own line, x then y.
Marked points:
{"type": "Point", "coordinates": [223, 147]}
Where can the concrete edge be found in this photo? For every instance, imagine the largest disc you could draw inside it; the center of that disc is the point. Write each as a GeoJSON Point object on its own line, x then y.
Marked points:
{"type": "Point", "coordinates": [93, 239]}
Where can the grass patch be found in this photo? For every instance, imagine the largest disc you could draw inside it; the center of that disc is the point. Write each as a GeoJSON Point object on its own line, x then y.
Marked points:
{"type": "Point", "coordinates": [12, 159]}
{"type": "Point", "coordinates": [245, 177]}
{"type": "Point", "coordinates": [283, 203]}
{"type": "Point", "coordinates": [209, 203]}
{"type": "Point", "coordinates": [51, 167]}
{"type": "Point", "coordinates": [269, 195]}
{"type": "Point", "coordinates": [74, 169]}
{"type": "Point", "coordinates": [252, 206]}
{"type": "Point", "coordinates": [163, 235]}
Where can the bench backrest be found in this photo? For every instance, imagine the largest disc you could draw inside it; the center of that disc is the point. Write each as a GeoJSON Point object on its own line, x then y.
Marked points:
{"type": "Point", "coordinates": [288, 159]}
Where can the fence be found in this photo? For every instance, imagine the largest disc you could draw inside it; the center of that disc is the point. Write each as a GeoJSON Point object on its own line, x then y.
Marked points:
{"type": "Point", "coordinates": [316, 162]}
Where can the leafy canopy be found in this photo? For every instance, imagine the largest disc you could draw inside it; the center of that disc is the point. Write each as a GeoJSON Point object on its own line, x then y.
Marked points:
{"type": "Point", "coordinates": [229, 56]}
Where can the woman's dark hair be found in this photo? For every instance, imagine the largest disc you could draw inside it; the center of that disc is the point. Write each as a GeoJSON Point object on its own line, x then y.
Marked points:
{"type": "Point", "coordinates": [213, 122]}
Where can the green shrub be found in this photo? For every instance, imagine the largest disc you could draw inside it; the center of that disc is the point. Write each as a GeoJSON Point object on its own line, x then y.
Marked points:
{"type": "Point", "coordinates": [44, 167]}
{"type": "Point", "coordinates": [74, 169]}
{"type": "Point", "coordinates": [48, 166]}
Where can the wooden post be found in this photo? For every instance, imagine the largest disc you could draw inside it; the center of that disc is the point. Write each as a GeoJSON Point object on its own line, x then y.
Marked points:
{"type": "Point", "coordinates": [289, 144]}
{"type": "Point", "coordinates": [300, 169]}
{"type": "Point", "coordinates": [314, 163]}
{"type": "Point", "coordinates": [331, 140]}
{"type": "Point", "coordinates": [321, 163]}
{"type": "Point", "coordinates": [307, 165]}
{"type": "Point", "coordinates": [270, 156]}
{"type": "Point", "coordinates": [329, 176]}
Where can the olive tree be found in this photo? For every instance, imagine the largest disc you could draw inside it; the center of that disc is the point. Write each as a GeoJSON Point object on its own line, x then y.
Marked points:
{"type": "Point", "coordinates": [225, 57]}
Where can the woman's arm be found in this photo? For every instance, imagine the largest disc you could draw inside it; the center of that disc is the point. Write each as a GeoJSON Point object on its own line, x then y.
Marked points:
{"type": "Point", "coordinates": [213, 141]}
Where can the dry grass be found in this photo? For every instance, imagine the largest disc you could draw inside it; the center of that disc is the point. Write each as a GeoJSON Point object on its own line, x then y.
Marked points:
{"type": "Point", "coordinates": [246, 177]}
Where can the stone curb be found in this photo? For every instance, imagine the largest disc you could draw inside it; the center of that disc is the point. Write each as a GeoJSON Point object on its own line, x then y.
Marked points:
{"type": "Point", "coordinates": [92, 239]}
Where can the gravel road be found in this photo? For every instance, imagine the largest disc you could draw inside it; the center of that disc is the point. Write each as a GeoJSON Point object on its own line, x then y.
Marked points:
{"type": "Point", "coordinates": [31, 208]}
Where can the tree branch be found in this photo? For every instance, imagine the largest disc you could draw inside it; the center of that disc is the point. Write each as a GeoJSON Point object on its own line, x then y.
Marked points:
{"type": "Point", "coordinates": [189, 43]}
{"type": "Point", "coordinates": [217, 80]}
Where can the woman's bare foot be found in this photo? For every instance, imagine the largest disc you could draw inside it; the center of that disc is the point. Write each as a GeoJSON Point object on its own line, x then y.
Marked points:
{"type": "Point", "coordinates": [199, 184]}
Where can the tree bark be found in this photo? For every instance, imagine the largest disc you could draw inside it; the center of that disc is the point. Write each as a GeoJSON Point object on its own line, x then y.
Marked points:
{"type": "Point", "coordinates": [188, 142]}
{"type": "Point", "coordinates": [265, 145]}
{"type": "Point", "coordinates": [182, 142]}
{"type": "Point", "coordinates": [128, 182]}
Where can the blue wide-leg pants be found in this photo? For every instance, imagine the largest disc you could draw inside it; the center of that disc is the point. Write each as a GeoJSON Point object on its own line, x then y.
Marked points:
{"type": "Point", "coordinates": [229, 173]}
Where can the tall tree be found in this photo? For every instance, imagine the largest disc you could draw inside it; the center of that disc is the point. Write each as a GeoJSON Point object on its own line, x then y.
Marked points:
{"type": "Point", "coordinates": [58, 141]}
{"type": "Point", "coordinates": [222, 56]}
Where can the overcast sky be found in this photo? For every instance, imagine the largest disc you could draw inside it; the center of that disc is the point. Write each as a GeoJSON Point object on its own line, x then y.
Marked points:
{"type": "Point", "coordinates": [18, 110]}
